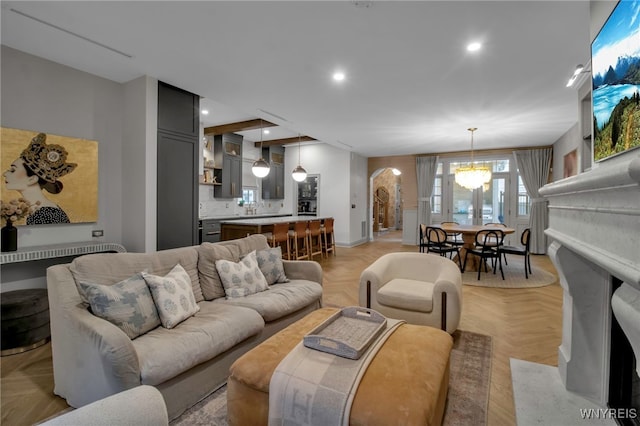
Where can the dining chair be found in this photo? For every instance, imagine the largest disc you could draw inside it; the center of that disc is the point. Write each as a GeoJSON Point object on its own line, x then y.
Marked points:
{"type": "Point", "coordinates": [453, 237]}
{"type": "Point", "coordinates": [520, 251]}
{"type": "Point", "coordinates": [298, 240]}
{"type": "Point", "coordinates": [437, 243]}
{"type": "Point", "coordinates": [315, 238]}
{"type": "Point", "coordinates": [279, 236]}
{"type": "Point", "coordinates": [502, 225]}
{"type": "Point", "coordinates": [328, 237]}
{"type": "Point", "coordinates": [486, 247]}
{"type": "Point", "coordinates": [422, 242]}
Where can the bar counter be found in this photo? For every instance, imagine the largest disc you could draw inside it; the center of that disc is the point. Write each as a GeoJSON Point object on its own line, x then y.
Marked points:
{"type": "Point", "coordinates": [240, 228]}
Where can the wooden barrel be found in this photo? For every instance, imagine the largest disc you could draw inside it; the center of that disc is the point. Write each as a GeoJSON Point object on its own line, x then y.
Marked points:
{"type": "Point", "coordinates": [25, 320]}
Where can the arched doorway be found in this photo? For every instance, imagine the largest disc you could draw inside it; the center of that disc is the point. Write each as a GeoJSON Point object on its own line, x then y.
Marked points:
{"type": "Point", "coordinates": [386, 207]}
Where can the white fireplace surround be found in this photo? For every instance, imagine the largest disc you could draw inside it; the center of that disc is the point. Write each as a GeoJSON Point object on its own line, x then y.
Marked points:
{"type": "Point", "coordinates": [594, 230]}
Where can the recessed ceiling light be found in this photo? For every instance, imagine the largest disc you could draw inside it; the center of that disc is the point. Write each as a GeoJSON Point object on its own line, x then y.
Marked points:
{"type": "Point", "coordinates": [205, 112]}
{"type": "Point", "coordinates": [338, 76]}
{"type": "Point", "coordinates": [474, 47]}
{"type": "Point", "coordinates": [266, 131]}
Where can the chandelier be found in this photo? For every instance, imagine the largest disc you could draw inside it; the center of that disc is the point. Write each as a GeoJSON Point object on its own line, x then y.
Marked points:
{"type": "Point", "coordinates": [471, 176]}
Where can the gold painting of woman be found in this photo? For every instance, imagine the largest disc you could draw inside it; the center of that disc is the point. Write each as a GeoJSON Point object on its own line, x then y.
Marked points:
{"type": "Point", "coordinates": [56, 175]}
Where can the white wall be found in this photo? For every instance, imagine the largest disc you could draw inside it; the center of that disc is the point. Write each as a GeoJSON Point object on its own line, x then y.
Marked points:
{"type": "Point", "coordinates": [48, 97]}
{"type": "Point", "coordinates": [334, 197]}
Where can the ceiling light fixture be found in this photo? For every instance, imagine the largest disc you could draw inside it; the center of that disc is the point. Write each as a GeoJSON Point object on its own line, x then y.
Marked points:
{"type": "Point", "coordinates": [474, 47]}
{"type": "Point", "coordinates": [579, 70]}
{"type": "Point", "coordinates": [471, 176]}
{"type": "Point", "coordinates": [299, 174]}
{"type": "Point", "coordinates": [205, 112]}
{"type": "Point", "coordinates": [396, 172]}
{"type": "Point", "coordinates": [260, 167]}
{"type": "Point", "coordinates": [339, 76]}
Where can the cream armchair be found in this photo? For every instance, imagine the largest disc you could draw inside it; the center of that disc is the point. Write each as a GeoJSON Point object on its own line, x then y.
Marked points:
{"type": "Point", "coordinates": [420, 288]}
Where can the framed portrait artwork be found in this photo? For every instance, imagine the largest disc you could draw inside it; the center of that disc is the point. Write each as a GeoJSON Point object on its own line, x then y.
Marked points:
{"type": "Point", "coordinates": [56, 175]}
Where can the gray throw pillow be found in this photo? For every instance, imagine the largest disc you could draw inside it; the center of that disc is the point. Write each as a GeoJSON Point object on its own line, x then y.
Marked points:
{"type": "Point", "coordinates": [127, 304]}
{"type": "Point", "coordinates": [173, 296]}
{"type": "Point", "coordinates": [242, 278]}
{"type": "Point", "coordinates": [270, 263]}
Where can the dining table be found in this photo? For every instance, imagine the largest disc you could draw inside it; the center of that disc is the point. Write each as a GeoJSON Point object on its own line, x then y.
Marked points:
{"type": "Point", "coordinates": [468, 233]}
{"type": "Point", "coordinates": [239, 228]}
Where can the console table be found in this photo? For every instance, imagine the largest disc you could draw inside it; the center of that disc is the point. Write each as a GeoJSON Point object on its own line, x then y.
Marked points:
{"type": "Point", "coordinates": [28, 254]}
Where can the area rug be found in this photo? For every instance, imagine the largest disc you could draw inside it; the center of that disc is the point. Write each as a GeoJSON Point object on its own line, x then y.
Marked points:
{"type": "Point", "coordinates": [467, 403]}
{"type": "Point", "coordinates": [513, 276]}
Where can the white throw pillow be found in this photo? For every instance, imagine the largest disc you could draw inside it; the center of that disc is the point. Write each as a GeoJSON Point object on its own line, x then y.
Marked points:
{"type": "Point", "coordinates": [127, 304]}
{"type": "Point", "coordinates": [173, 296]}
{"type": "Point", "coordinates": [242, 278]}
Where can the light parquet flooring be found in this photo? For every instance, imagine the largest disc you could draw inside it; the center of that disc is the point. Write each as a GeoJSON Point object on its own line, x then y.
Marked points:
{"type": "Point", "coordinates": [524, 323]}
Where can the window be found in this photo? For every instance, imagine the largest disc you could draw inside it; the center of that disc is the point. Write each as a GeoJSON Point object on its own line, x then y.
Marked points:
{"type": "Point", "coordinates": [523, 199]}
{"type": "Point", "coordinates": [436, 196]}
{"type": "Point", "coordinates": [248, 196]}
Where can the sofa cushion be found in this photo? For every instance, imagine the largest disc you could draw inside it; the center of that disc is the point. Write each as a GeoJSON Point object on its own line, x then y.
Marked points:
{"type": "Point", "coordinates": [270, 263]}
{"type": "Point", "coordinates": [110, 268]}
{"type": "Point", "coordinates": [127, 304]}
{"type": "Point", "coordinates": [411, 295]}
{"type": "Point", "coordinates": [241, 278]}
{"type": "Point", "coordinates": [280, 300]}
{"type": "Point", "coordinates": [210, 282]}
{"type": "Point", "coordinates": [172, 295]}
{"type": "Point", "coordinates": [164, 353]}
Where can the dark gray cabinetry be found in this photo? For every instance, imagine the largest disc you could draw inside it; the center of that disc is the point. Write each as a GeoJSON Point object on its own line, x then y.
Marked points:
{"type": "Point", "coordinates": [210, 231]}
{"type": "Point", "coordinates": [177, 168]}
{"type": "Point", "coordinates": [227, 156]}
{"type": "Point", "coordinates": [273, 184]}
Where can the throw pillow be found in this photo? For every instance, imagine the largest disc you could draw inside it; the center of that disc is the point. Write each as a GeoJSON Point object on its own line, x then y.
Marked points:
{"type": "Point", "coordinates": [173, 296]}
{"type": "Point", "coordinates": [242, 278]}
{"type": "Point", "coordinates": [270, 263]}
{"type": "Point", "coordinates": [127, 304]}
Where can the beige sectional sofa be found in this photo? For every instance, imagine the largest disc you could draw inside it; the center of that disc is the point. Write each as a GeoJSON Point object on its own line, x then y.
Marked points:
{"type": "Point", "coordinates": [93, 358]}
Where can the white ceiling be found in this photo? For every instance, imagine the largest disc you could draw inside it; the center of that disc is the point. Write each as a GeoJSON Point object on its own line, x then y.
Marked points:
{"type": "Point", "coordinates": [411, 86]}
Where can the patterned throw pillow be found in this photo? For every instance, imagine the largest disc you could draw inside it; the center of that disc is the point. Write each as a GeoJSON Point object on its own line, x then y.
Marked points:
{"type": "Point", "coordinates": [242, 278]}
{"type": "Point", "coordinates": [127, 304]}
{"type": "Point", "coordinates": [173, 296]}
{"type": "Point", "coordinates": [270, 263]}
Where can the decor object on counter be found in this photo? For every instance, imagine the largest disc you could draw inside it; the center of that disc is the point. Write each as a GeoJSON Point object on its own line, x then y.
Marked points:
{"type": "Point", "coordinates": [260, 167]}
{"type": "Point", "coordinates": [12, 212]}
{"type": "Point", "coordinates": [471, 176]}
{"type": "Point", "coordinates": [299, 174]}
{"type": "Point", "coordinates": [570, 164]}
{"type": "Point", "coordinates": [40, 167]}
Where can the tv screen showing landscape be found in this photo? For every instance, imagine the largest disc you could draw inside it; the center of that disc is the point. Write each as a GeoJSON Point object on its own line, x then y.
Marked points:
{"type": "Point", "coordinates": [615, 69]}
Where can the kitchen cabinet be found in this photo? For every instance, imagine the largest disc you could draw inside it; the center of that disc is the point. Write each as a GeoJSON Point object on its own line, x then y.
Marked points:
{"type": "Point", "coordinates": [227, 155]}
{"type": "Point", "coordinates": [177, 167]}
{"type": "Point", "coordinates": [273, 184]}
{"type": "Point", "coordinates": [210, 231]}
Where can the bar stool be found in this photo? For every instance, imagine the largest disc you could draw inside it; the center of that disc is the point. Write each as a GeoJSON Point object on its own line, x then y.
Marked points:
{"type": "Point", "coordinates": [328, 239]}
{"type": "Point", "coordinates": [298, 240]}
{"type": "Point", "coordinates": [278, 236]}
{"type": "Point", "coordinates": [315, 238]}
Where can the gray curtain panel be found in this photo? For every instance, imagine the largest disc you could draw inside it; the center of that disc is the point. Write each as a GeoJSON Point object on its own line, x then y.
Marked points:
{"type": "Point", "coordinates": [534, 166]}
{"type": "Point", "coordinates": [426, 168]}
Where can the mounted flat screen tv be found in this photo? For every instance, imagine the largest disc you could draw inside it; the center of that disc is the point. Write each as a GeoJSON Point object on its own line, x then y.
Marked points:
{"type": "Point", "coordinates": [615, 71]}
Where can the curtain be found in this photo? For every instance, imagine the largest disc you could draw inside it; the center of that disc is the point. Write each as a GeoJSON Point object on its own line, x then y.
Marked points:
{"type": "Point", "coordinates": [534, 166]}
{"type": "Point", "coordinates": [426, 168]}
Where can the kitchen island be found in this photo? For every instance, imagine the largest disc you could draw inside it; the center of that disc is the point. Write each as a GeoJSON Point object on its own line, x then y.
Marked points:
{"type": "Point", "coordinates": [240, 228]}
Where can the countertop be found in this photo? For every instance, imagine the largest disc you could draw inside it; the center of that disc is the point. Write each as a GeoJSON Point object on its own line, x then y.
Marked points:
{"type": "Point", "coordinates": [245, 216]}
{"type": "Point", "coordinates": [248, 220]}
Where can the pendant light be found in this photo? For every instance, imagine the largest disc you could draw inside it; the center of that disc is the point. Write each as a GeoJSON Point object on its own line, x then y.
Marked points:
{"type": "Point", "coordinates": [472, 177]}
{"type": "Point", "coordinates": [299, 174]}
{"type": "Point", "coordinates": [260, 167]}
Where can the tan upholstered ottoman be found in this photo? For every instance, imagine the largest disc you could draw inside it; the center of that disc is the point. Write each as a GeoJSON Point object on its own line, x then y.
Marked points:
{"type": "Point", "coordinates": [406, 383]}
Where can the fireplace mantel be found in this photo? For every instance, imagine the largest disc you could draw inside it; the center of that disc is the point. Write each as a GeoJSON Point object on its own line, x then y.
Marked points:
{"type": "Point", "coordinates": [597, 215]}
{"type": "Point", "coordinates": [594, 230]}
